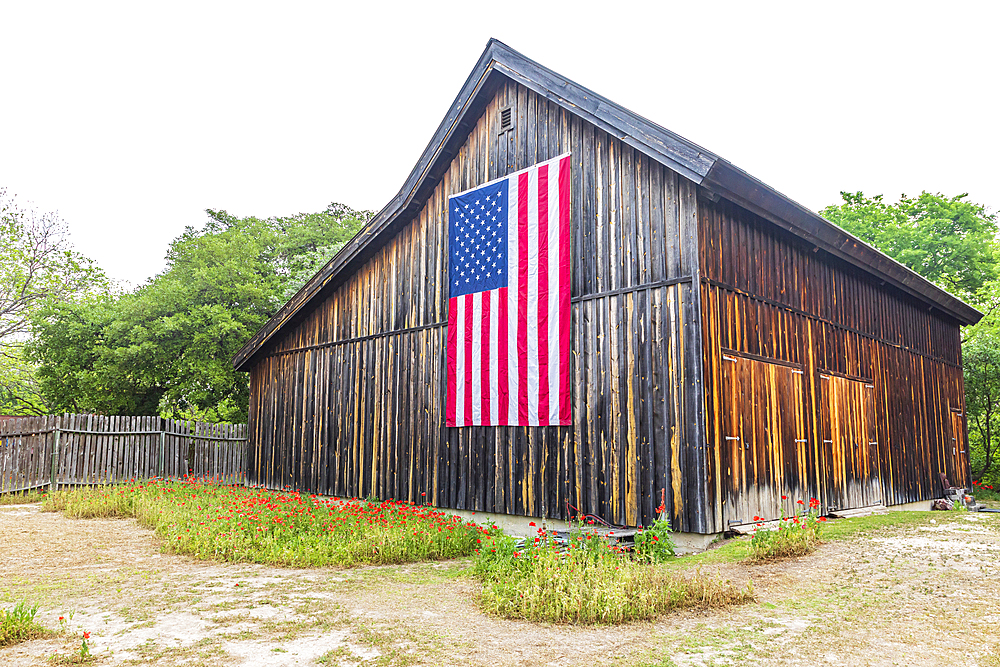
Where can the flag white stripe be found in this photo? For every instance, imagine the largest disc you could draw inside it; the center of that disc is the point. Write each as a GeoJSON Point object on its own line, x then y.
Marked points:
{"type": "Point", "coordinates": [494, 356]}
{"type": "Point", "coordinates": [532, 309]}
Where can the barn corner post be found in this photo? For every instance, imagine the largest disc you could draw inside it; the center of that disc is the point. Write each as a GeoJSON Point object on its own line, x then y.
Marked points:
{"type": "Point", "coordinates": [696, 506]}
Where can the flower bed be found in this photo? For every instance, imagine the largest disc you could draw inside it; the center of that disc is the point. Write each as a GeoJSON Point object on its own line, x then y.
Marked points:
{"type": "Point", "coordinates": [211, 521]}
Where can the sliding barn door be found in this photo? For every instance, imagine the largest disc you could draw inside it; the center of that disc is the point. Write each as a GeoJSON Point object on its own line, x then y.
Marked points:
{"type": "Point", "coordinates": [849, 461]}
{"type": "Point", "coordinates": [767, 455]}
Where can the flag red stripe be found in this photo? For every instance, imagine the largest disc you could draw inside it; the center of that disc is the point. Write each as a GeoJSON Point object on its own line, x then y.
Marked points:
{"type": "Point", "coordinates": [468, 359]}
{"type": "Point", "coordinates": [449, 417]}
{"type": "Point", "coordinates": [543, 293]}
{"type": "Point", "coordinates": [485, 384]}
{"type": "Point", "coordinates": [522, 299]}
{"type": "Point", "coordinates": [564, 291]}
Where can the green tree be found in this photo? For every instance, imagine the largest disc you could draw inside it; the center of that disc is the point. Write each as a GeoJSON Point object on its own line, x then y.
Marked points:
{"type": "Point", "coordinates": [950, 241]}
{"type": "Point", "coordinates": [166, 348]}
{"type": "Point", "coordinates": [38, 269]}
{"type": "Point", "coordinates": [981, 367]}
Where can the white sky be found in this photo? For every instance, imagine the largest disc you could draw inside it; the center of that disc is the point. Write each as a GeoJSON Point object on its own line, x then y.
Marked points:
{"type": "Point", "coordinates": [130, 119]}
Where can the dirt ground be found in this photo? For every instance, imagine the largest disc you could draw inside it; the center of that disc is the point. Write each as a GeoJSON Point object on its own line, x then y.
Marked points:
{"type": "Point", "coordinates": [920, 595]}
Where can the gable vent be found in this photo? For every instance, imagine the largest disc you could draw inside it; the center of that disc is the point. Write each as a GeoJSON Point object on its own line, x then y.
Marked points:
{"type": "Point", "coordinates": [506, 120]}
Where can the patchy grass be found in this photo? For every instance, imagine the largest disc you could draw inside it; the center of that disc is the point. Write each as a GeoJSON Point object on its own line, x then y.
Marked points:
{"type": "Point", "coordinates": [992, 659]}
{"type": "Point", "coordinates": [844, 529]}
{"type": "Point", "coordinates": [22, 497]}
{"type": "Point", "coordinates": [588, 582]}
{"type": "Point", "coordinates": [211, 521]}
{"type": "Point", "coordinates": [19, 625]}
{"type": "Point", "coordinates": [737, 549]}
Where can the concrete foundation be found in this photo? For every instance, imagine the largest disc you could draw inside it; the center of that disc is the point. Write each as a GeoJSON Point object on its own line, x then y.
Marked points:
{"type": "Point", "coordinates": [521, 526]}
{"type": "Point", "coordinates": [919, 506]}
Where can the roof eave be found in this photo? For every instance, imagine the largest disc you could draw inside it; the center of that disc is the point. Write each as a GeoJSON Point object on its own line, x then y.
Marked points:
{"type": "Point", "coordinates": [739, 187]}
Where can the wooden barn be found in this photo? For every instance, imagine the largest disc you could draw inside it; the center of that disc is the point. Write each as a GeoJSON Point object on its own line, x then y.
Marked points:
{"type": "Point", "coordinates": [728, 346]}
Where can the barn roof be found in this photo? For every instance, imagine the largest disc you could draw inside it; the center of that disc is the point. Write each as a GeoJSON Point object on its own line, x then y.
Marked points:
{"type": "Point", "coordinates": [718, 176]}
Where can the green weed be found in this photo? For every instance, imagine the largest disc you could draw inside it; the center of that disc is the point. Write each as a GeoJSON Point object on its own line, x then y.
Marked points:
{"type": "Point", "coordinates": [655, 544]}
{"type": "Point", "coordinates": [19, 625]}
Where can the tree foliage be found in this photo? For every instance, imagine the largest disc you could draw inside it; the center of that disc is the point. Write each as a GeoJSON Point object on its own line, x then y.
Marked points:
{"type": "Point", "coordinates": [949, 241]}
{"type": "Point", "coordinates": [166, 348]}
{"type": "Point", "coordinates": [953, 243]}
{"type": "Point", "coordinates": [981, 361]}
{"type": "Point", "coordinates": [38, 269]}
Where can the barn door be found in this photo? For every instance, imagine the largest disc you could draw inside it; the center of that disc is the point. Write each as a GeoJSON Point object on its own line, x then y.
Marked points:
{"type": "Point", "coordinates": [765, 448]}
{"type": "Point", "coordinates": [850, 468]}
{"type": "Point", "coordinates": [959, 456]}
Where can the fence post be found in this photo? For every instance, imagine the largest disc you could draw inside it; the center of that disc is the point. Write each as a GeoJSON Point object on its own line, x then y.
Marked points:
{"type": "Point", "coordinates": [55, 456]}
{"type": "Point", "coordinates": [163, 438]}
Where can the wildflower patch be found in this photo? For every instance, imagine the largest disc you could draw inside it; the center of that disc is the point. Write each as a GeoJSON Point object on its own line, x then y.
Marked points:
{"type": "Point", "coordinates": [589, 580]}
{"type": "Point", "coordinates": [794, 535]}
{"type": "Point", "coordinates": [210, 521]}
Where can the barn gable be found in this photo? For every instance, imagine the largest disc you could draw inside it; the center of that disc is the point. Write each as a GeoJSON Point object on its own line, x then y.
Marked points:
{"type": "Point", "coordinates": [346, 381]}
{"type": "Point", "coordinates": [498, 65]}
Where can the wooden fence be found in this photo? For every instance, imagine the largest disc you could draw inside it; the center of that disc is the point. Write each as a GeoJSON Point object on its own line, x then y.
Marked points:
{"type": "Point", "coordinates": [70, 449]}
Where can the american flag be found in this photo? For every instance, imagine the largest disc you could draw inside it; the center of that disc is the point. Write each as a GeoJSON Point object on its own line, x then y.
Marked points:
{"type": "Point", "coordinates": [509, 305]}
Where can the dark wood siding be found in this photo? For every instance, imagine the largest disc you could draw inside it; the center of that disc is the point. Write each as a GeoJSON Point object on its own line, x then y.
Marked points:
{"type": "Point", "coordinates": [349, 401]}
{"type": "Point", "coordinates": [894, 364]}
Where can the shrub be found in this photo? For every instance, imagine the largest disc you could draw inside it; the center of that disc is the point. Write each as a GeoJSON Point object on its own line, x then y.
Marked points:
{"type": "Point", "coordinates": [586, 581]}
{"type": "Point", "coordinates": [794, 535]}
{"type": "Point", "coordinates": [18, 624]}
{"type": "Point", "coordinates": [985, 491]}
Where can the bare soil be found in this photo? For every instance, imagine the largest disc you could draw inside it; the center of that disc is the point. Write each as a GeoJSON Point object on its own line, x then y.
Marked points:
{"type": "Point", "coordinates": [920, 595]}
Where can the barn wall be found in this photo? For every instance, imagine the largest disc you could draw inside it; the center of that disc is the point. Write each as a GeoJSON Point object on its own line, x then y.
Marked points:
{"type": "Point", "coordinates": [864, 359]}
{"type": "Point", "coordinates": [350, 400]}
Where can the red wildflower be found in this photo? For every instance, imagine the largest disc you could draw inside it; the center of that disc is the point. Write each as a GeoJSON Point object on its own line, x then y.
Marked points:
{"type": "Point", "coordinates": [86, 634]}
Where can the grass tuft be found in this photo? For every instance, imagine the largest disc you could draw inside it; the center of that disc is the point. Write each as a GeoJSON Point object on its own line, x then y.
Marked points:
{"type": "Point", "coordinates": [18, 624]}
{"type": "Point", "coordinates": [238, 524]}
{"type": "Point", "coordinates": [795, 535]}
{"type": "Point", "coordinates": [588, 582]}
{"type": "Point", "coordinates": [22, 497]}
